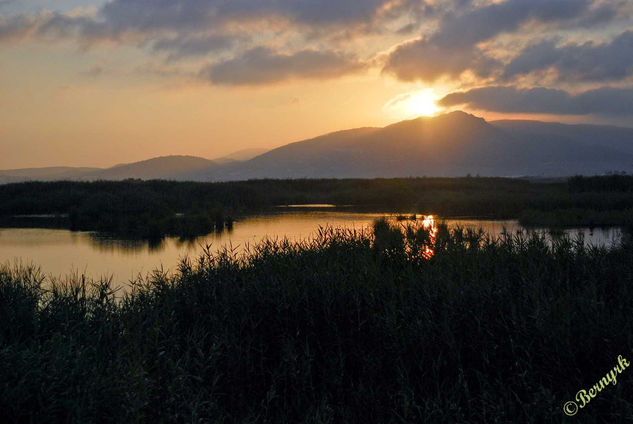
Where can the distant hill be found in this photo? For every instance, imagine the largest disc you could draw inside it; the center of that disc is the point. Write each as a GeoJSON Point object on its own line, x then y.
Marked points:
{"type": "Point", "coordinates": [240, 155]}
{"type": "Point", "coordinates": [453, 144]}
{"type": "Point", "coordinates": [164, 167]}
{"type": "Point", "coordinates": [44, 174]}
{"type": "Point", "coordinates": [597, 136]}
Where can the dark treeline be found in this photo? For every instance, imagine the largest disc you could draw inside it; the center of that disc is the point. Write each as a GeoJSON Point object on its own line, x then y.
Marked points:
{"type": "Point", "coordinates": [608, 183]}
{"type": "Point", "coordinates": [156, 208]}
{"type": "Point", "coordinates": [347, 328]}
{"type": "Point", "coordinates": [149, 209]}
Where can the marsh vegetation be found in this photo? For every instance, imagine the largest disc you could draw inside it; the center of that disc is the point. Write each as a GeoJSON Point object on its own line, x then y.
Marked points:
{"type": "Point", "coordinates": [154, 209]}
{"type": "Point", "coordinates": [348, 327]}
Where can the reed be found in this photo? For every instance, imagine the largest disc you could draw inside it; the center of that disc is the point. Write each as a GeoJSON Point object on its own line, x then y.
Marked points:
{"type": "Point", "coordinates": [347, 327]}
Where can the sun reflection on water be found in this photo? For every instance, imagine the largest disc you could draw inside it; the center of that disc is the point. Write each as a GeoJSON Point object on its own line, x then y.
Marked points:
{"type": "Point", "coordinates": [430, 225]}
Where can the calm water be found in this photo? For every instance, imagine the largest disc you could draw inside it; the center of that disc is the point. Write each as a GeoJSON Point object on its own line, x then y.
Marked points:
{"type": "Point", "coordinates": [60, 252]}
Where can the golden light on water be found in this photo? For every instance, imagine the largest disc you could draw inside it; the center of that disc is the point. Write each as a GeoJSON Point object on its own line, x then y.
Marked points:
{"type": "Point", "coordinates": [429, 222]}
{"type": "Point", "coordinates": [429, 225]}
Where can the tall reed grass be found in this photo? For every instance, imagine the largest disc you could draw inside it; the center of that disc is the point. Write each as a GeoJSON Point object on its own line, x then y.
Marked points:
{"type": "Point", "coordinates": [348, 327]}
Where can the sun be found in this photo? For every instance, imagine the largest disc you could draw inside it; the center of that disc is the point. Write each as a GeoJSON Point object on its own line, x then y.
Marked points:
{"type": "Point", "coordinates": [421, 104]}
{"type": "Point", "coordinates": [414, 104]}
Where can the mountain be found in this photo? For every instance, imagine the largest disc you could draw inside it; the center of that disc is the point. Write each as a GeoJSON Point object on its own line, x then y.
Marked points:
{"type": "Point", "coordinates": [597, 136]}
{"type": "Point", "coordinates": [44, 174]}
{"type": "Point", "coordinates": [164, 167]}
{"type": "Point", "coordinates": [453, 144]}
{"type": "Point", "coordinates": [561, 150]}
{"type": "Point", "coordinates": [240, 155]}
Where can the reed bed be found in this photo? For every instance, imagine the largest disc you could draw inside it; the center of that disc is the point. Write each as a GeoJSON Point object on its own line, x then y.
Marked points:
{"type": "Point", "coordinates": [348, 327]}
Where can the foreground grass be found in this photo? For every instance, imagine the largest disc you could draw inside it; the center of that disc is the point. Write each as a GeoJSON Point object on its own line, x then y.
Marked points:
{"type": "Point", "coordinates": [351, 327]}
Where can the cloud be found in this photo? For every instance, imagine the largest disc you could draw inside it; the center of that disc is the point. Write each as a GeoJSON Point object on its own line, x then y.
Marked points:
{"type": "Point", "coordinates": [155, 19]}
{"type": "Point", "coordinates": [188, 15]}
{"type": "Point", "coordinates": [424, 60]}
{"type": "Point", "coordinates": [16, 27]}
{"type": "Point", "coordinates": [264, 66]}
{"type": "Point", "coordinates": [202, 29]}
{"type": "Point", "coordinates": [457, 39]}
{"type": "Point", "coordinates": [600, 101]}
{"type": "Point", "coordinates": [484, 23]}
{"type": "Point", "coordinates": [191, 46]}
{"type": "Point", "coordinates": [580, 62]}
{"type": "Point", "coordinates": [453, 47]}
{"type": "Point", "coordinates": [54, 25]}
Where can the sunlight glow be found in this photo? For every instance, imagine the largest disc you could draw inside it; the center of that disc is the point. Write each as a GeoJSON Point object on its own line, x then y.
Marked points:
{"type": "Point", "coordinates": [429, 225]}
{"type": "Point", "coordinates": [413, 104]}
{"type": "Point", "coordinates": [421, 104]}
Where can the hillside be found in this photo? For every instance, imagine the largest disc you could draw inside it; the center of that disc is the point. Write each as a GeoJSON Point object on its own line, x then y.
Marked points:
{"type": "Point", "coordinates": [44, 174]}
{"type": "Point", "coordinates": [454, 144]}
{"type": "Point", "coordinates": [164, 167]}
{"type": "Point", "coordinates": [449, 145]}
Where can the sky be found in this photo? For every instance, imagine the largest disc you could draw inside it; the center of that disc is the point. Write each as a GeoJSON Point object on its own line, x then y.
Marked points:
{"type": "Point", "coordinates": [96, 83]}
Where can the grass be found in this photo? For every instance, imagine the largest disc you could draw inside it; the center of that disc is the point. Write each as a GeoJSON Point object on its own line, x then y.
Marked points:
{"type": "Point", "coordinates": [349, 327]}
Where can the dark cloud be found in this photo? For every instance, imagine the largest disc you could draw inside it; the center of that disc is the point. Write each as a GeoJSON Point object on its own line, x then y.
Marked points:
{"type": "Point", "coordinates": [177, 29]}
{"type": "Point", "coordinates": [452, 49]}
{"type": "Point", "coordinates": [157, 19]}
{"type": "Point", "coordinates": [599, 13]}
{"type": "Point", "coordinates": [58, 25]}
{"type": "Point", "coordinates": [600, 101]}
{"type": "Point", "coordinates": [54, 25]}
{"type": "Point", "coordinates": [483, 23]}
{"type": "Point", "coordinates": [197, 14]}
{"type": "Point", "coordinates": [191, 46]}
{"type": "Point", "coordinates": [15, 27]}
{"type": "Point", "coordinates": [423, 60]}
{"type": "Point", "coordinates": [263, 66]}
{"type": "Point", "coordinates": [198, 28]}
{"type": "Point", "coordinates": [579, 62]}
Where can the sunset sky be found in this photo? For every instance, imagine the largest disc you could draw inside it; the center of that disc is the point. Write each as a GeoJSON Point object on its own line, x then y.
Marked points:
{"type": "Point", "coordinates": [95, 83]}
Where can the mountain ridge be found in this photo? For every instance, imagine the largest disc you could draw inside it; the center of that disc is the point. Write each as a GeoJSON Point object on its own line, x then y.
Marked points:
{"type": "Point", "coordinates": [449, 145]}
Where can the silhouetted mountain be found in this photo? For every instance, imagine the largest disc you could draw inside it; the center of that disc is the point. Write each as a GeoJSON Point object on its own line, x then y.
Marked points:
{"type": "Point", "coordinates": [44, 174]}
{"type": "Point", "coordinates": [592, 135]}
{"type": "Point", "coordinates": [553, 149]}
{"type": "Point", "coordinates": [240, 155]}
{"type": "Point", "coordinates": [453, 144]}
{"type": "Point", "coordinates": [164, 167]}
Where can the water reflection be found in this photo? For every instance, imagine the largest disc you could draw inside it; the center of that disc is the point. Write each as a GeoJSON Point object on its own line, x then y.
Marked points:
{"type": "Point", "coordinates": [108, 244]}
{"type": "Point", "coordinates": [429, 225]}
{"type": "Point", "coordinates": [59, 251]}
{"type": "Point", "coordinates": [310, 206]}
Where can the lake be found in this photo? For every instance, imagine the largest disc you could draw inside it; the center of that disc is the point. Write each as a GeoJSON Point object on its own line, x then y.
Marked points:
{"type": "Point", "coordinates": [60, 252]}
